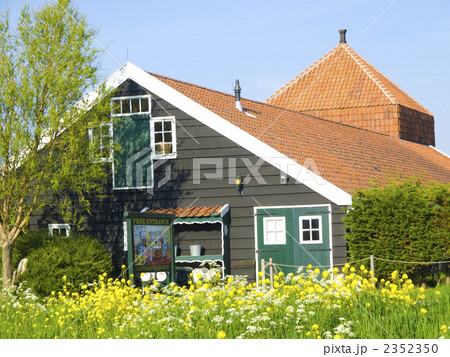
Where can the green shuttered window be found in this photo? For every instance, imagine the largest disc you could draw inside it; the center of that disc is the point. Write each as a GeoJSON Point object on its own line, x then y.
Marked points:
{"type": "Point", "coordinates": [139, 139]}
{"type": "Point", "coordinates": [133, 159]}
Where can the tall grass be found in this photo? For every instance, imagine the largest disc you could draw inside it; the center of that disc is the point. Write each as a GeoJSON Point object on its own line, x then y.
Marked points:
{"type": "Point", "coordinates": [308, 305]}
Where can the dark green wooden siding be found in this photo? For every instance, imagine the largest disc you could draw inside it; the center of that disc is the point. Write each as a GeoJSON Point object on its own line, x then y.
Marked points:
{"type": "Point", "coordinates": [196, 141]}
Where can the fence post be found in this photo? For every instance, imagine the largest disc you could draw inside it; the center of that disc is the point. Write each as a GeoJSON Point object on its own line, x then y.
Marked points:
{"type": "Point", "coordinates": [263, 269]}
{"type": "Point", "coordinates": [271, 272]}
{"type": "Point", "coordinates": [372, 266]}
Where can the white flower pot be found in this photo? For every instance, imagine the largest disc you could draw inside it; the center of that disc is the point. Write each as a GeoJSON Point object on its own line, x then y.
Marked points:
{"type": "Point", "coordinates": [195, 250]}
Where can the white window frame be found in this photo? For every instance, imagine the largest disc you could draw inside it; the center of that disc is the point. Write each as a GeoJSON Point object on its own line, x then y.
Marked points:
{"type": "Point", "coordinates": [173, 154]}
{"type": "Point", "coordinates": [58, 226]}
{"type": "Point", "coordinates": [108, 158]}
{"type": "Point", "coordinates": [129, 99]}
{"type": "Point", "coordinates": [278, 222]}
{"type": "Point", "coordinates": [310, 229]}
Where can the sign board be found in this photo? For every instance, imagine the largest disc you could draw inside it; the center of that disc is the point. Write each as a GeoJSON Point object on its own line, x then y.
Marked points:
{"type": "Point", "coordinates": [150, 247]}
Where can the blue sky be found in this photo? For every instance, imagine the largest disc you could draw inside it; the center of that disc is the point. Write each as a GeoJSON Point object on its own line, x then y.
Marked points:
{"type": "Point", "coordinates": [265, 44]}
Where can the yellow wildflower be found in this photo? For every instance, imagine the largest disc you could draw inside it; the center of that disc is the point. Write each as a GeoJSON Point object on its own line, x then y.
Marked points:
{"type": "Point", "coordinates": [221, 335]}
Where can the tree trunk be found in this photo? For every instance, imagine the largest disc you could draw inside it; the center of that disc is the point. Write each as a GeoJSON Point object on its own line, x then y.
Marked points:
{"type": "Point", "coordinates": [7, 263]}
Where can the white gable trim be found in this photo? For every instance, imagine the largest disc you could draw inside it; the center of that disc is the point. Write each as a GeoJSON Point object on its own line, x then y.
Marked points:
{"type": "Point", "coordinates": [439, 151]}
{"type": "Point", "coordinates": [229, 130]}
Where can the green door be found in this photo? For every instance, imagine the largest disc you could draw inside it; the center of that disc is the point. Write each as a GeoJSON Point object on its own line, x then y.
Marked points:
{"type": "Point", "coordinates": [275, 238]}
{"type": "Point", "coordinates": [293, 237]}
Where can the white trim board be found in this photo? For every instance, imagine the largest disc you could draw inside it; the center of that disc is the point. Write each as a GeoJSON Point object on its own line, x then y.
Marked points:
{"type": "Point", "coordinates": [229, 130]}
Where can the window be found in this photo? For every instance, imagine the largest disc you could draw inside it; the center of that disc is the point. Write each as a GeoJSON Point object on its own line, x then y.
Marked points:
{"type": "Point", "coordinates": [274, 230]}
{"type": "Point", "coordinates": [141, 139]}
{"type": "Point", "coordinates": [310, 229]}
{"type": "Point", "coordinates": [59, 229]}
{"type": "Point", "coordinates": [103, 136]}
{"type": "Point", "coordinates": [164, 144]}
{"type": "Point", "coordinates": [135, 105]}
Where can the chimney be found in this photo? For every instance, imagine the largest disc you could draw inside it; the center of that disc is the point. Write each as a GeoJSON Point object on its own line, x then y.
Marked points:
{"type": "Point", "coordinates": [342, 33]}
{"type": "Point", "coordinates": [237, 96]}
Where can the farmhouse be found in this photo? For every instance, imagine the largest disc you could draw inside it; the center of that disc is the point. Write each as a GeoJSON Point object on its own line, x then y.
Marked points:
{"type": "Point", "coordinates": [248, 180]}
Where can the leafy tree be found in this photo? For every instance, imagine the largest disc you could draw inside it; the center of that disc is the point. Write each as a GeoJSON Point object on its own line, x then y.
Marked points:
{"type": "Point", "coordinates": [404, 220]}
{"type": "Point", "coordinates": [47, 64]}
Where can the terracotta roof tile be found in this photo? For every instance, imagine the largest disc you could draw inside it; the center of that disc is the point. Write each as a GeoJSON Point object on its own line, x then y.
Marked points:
{"type": "Point", "coordinates": [346, 156]}
{"type": "Point", "coordinates": [189, 212]}
{"type": "Point", "coordinates": [341, 79]}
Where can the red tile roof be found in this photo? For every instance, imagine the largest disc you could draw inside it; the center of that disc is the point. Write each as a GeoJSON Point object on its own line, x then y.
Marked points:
{"type": "Point", "coordinates": [341, 79]}
{"type": "Point", "coordinates": [189, 212]}
{"type": "Point", "coordinates": [345, 156]}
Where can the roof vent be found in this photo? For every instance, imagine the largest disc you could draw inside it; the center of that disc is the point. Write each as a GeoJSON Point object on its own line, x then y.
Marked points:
{"type": "Point", "coordinates": [342, 33]}
{"type": "Point", "coordinates": [237, 99]}
{"type": "Point", "coordinates": [237, 96]}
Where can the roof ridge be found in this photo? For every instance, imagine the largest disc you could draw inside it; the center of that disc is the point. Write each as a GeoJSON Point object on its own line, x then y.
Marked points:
{"type": "Point", "coordinates": [301, 75]}
{"type": "Point", "coordinates": [228, 94]}
{"type": "Point", "coordinates": [189, 83]}
{"type": "Point", "coordinates": [354, 54]}
{"type": "Point", "coordinates": [366, 70]}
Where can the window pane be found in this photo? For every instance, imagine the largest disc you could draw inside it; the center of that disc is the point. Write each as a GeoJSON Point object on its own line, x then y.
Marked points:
{"type": "Point", "coordinates": [306, 235]}
{"type": "Point", "coordinates": [270, 225]}
{"type": "Point", "coordinates": [116, 107]}
{"type": "Point", "coordinates": [144, 104]}
{"type": "Point", "coordinates": [135, 105]}
{"type": "Point", "coordinates": [315, 235]}
{"type": "Point", "coordinates": [125, 106]}
{"type": "Point", "coordinates": [315, 223]}
{"type": "Point", "coordinates": [106, 147]}
{"type": "Point", "coordinates": [95, 134]}
{"type": "Point", "coordinates": [105, 130]}
{"type": "Point", "coordinates": [167, 148]}
{"type": "Point", "coordinates": [159, 148]}
{"type": "Point", "coordinates": [168, 137]}
{"type": "Point", "coordinates": [279, 237]}
{"type": "Point", "coordinates": [167, 126]}
{"type": "Point", "coordinates": [305, 223]}
{"type": "Point", "coordinates": [158, 137]}
{"type": "Point", "coordinates": [158, 126]}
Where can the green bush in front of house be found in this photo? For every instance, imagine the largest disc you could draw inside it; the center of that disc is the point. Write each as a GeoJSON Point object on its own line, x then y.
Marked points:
{"type": "Point", "coordinates": [404, 220]}
{"type": "Point", "coordinates": [26, 243]}
{"type": "Point", "coordinates": [80, 259]}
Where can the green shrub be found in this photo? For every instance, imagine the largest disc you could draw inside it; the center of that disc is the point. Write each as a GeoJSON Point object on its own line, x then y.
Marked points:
{"type": "Point", "coordinates": [25, 243]}
{"type": "Point", "coordinates": [404, 220]}
{"type": "Point", "coordinates": [80, 258]}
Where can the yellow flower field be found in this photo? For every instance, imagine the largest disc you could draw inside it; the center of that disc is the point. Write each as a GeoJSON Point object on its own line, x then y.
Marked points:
{"type": "Point", "coordinates": [312, 304]}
